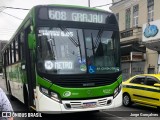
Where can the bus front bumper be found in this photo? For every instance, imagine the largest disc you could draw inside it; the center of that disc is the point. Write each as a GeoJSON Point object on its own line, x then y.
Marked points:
{"type": "Point", "coordinates": [45, 104]}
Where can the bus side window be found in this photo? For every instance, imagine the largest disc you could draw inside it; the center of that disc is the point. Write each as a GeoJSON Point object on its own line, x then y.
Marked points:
{"type": "Point", "coordinates": [10, 55]}
{"type": "Point", "coordinates": [16, 50]}
{"type": "Point", "coordinates": [19, 48]}
{"type": "Point", "coordinates": [3, 59]}
{"type": "Point", "coordinates": [7, 56]}
{"type": "Point", "coordinates": [12, 52]}
{"type": "Point", "coordinates": [22, 47]}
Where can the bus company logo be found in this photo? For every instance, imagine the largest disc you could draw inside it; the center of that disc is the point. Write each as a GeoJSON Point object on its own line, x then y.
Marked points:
{"type": "Point", "coordinates": [67, 94]}
{"type": "Point", "coordinates": [48, 65]}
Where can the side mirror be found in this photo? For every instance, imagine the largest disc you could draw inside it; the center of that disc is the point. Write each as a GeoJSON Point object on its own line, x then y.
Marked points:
{"type": "Point", "coordinates": [156, 85]}
{"type": "Point", "coordinates": [31, 41]}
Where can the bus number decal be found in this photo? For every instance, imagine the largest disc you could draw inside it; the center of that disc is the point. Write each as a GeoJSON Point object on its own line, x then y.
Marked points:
{"type": "Point", "coordinates": [57, 15]}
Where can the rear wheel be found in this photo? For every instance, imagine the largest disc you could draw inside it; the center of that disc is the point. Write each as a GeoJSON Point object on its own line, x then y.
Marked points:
{"type": "Point", "coordinates": [126, 99]}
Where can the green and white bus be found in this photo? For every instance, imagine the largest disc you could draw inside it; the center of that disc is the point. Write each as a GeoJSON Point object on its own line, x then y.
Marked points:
{"type": "Point", "coordinates": [65, 59]}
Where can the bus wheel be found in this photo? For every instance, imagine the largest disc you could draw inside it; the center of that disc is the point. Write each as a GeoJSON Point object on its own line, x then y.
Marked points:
{"type": "Point", "coordinates": [10, 93]}
{"type": "Point", "coordinates": [126, 99]}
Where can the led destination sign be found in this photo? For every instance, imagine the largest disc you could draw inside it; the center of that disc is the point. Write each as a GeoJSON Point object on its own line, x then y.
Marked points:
{"type": "Point", "coordinates": [77, 15]}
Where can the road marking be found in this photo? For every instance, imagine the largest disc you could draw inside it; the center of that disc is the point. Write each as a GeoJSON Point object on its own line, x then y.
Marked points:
{"type": "Point", "coordinates": [112, 115]}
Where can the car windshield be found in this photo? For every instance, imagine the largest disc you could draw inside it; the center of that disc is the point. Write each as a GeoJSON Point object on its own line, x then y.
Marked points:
{"type": "Point", "coordinates": [77, 51]}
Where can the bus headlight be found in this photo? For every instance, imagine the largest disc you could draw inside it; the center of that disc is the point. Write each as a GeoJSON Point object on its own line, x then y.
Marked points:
{"type": "Point", "coordinates": [54, 96]}
{"type": "Point", "coordinates": [44, 91]}
{"type": "Point", "coordinates": [117, 90]}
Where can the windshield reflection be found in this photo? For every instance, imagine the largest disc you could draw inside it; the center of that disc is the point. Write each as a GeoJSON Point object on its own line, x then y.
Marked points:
{"type": "Point", "coordinates": [102, 50]}
{"type": "Point", "coordinates": [77, 51]}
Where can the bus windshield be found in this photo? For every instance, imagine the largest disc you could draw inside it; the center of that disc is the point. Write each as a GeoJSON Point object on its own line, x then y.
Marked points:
{"type": "Point", "coordinates": [77, 51]}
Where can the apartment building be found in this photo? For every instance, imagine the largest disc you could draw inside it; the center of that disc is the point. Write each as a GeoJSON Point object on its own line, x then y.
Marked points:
{"type": "Point", "coordinates": [139, 24]}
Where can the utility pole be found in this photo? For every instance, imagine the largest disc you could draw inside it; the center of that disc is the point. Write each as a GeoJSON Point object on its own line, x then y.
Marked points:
{"type": "Point", "coordinates": [89, 3]}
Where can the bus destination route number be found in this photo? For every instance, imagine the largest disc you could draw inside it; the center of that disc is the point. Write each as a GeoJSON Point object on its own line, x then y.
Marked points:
{"type": "Point", "coordinates": [77, 15]}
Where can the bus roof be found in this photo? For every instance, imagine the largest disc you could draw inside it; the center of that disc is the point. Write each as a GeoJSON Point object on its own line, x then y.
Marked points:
{"type": "Point", "coordinates": [76, 6]}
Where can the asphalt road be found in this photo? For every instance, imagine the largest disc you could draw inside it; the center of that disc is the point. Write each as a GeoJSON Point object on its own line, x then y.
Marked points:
{"type": "Point", "coordinates": [120, 113]}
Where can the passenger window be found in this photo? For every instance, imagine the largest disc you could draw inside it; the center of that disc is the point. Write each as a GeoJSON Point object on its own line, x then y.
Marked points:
{"type": "Point", "coordinates": [151, 81]}
{"type": "Point", "coordinates": [22, 47]}
{"type": "Point", "coordinates": [6, 58]}
{"type": "Point", "coordinates": [10, 55]}
{"type": "Point", "coordinates": [16, 50]}
{"type": "Point", "coordinates": [12, 52]}
{"type": "Point", "coordinates": [139, 80]}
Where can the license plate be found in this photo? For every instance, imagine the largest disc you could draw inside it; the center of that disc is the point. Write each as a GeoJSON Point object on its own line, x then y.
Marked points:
{"type": "Point", "coordinates": [89, 104]}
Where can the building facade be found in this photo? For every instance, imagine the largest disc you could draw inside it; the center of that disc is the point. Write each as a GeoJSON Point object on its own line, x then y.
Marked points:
{"type": "Point", "coordinates": [2, 44]}
{"type": "Point", "coordinates": [138, 55]}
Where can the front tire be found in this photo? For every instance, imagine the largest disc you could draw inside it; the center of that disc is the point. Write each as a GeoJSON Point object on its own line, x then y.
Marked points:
{"type": "Point", "coordinates": [127, 100]}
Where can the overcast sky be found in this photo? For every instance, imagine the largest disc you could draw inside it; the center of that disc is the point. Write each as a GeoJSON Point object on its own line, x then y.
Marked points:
{"type": "Point", "coordinates": [9, 24]}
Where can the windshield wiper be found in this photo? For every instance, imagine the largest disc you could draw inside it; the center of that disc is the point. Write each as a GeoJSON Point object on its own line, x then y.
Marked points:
{"type": "Point", "coordinates": [93, 46]}
{"type": "Point", "coordinates": [70, 37]}
{"type": "Point", "coordinates": [73, 40]}
{"type": "Point", "coordinates": [79, 45]}
{"type": "Point", "coordinates": [98, 38]}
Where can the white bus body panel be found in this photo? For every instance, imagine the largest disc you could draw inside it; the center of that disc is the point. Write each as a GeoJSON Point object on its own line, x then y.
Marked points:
{"type": "Point", "coordinates": [17, 90]}
{"type": "Point", "coordinates": [45, 104]}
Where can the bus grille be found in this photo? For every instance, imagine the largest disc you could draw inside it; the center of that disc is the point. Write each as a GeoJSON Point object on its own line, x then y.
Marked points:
{"type": "Point", "coordinates": [102, 102]}
{"type": "Point", "coordinates": [84, 81]}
